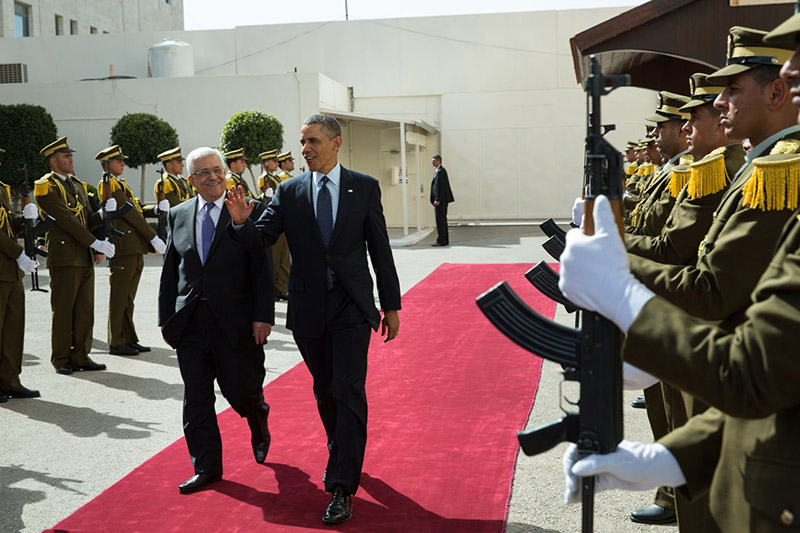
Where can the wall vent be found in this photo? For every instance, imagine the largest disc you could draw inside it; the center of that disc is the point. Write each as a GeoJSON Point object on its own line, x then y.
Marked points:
{"type": "Point", "coordinates": [13, 73]}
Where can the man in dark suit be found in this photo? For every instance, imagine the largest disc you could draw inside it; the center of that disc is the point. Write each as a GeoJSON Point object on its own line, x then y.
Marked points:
{"type": "Point", "coordinates": [330, 216]}
{"type": "Point", "coordinates": [441, 195]}
{"type": "Point", "coordinates": [216, 308]}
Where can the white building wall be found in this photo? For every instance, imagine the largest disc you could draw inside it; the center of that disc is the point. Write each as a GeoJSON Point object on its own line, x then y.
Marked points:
{"type": "Point", "coordinates": [115, 16]}
{"type": "Point", "coordinates": [500, 88]}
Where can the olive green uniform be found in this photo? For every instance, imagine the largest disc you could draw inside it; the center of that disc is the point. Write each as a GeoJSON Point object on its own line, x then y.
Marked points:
{"type": "Point", "coordinates": [70, 263]}
{"type": "Point", "coordinates": [12, 295]}
{"type": "Point", "coordinates": [235, 180]}
{"type": "Point", "coordinates": [177, 189]}
{"type": "Point", "coordinates": [656, 204]}
{"type": "Point", "coordinates": [280, 250]}
{"type": "Point", "coordinates": [746, 458]}
{"type": "Point", "coordinates": [734, 254]}
{"type": "Point", "coordinates": [693, 213]}
{"type": "Point", "coordinates": [128, 263]}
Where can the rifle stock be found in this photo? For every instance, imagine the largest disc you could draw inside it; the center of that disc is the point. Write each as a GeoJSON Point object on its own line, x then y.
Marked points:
{"type": "Point", "coordinates": [545, 279]}
{"type": "Point", "coordinates": [109, 217]}
{"type": "Point", "coordinates": [162, 216]}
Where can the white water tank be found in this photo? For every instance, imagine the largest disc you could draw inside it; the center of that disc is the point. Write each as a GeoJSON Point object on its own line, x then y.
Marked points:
{"type": "Point", "coordinates": [170, 59]}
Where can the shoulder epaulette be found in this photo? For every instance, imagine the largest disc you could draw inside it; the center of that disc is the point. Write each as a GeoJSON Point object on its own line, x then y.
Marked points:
{"type": "Point", "coordinates": [686, 159]}
{"type": "Point", "coordinates": [85, 187]}
{"type": "Point", "coordinates": [774, 184]}
{"type": "Point", "coordinates": [645, 169]}
{"type": "Point", "coordinates": [115, 186]}
{"type": "Point", "coordinates": [678, 179]}
{"type": "Point", "coordinates": [42, 186]}
{"type": "Point", "coordinates": [708, 175]}
{"type": "Point", "coordinates": [230, 183]}
{"type": "Point", "coordinates": [8, 190]}
{"type": "Point", "coordinates": [631, 170]}
{"type": "Point", "coordinates": [168, 186]}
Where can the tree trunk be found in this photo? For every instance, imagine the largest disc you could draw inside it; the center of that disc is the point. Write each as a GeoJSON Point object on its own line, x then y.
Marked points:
{"type": "Point", "coordinates": [141, 189]}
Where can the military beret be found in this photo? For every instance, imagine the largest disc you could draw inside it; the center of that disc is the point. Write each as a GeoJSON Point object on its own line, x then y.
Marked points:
{"type": "Point", "coordinates": [667, 107]}
{"type": "Point", "coordinates": [169, 155]}
{"type": "Point", "coordinates": [747, 50]}
{"type": "Point", "coordinates": [112, 152]}
{"type": "Point", "coordinates": [61, 145]}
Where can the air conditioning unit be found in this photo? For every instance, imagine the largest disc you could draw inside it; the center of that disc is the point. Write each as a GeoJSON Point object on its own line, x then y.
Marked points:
{"type": "Point", "coordinates": [13, 73]}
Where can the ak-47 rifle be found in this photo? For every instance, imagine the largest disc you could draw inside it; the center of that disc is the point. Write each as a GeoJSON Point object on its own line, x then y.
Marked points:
{"type": "Point", "coordinates": [162, 215]}
{"type": "Point", "coordinates": [109, 217]}
{"type": "Point", "coordinates": [32, 231]}
{"type": "Point", "coordinates": [590, 355]}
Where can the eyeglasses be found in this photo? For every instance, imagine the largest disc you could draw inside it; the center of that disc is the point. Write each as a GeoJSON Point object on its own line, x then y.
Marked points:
{"type": "Point", "coordinates": [206, 173]}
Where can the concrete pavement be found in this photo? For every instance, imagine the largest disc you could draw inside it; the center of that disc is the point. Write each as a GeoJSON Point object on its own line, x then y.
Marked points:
{"type": "Point", "coordinates": [90, 429]}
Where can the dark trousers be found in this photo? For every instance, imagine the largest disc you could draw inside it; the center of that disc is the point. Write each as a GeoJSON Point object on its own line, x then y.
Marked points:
{"type": "Point", "coordinates": [72, 302]}
{"type": "Point", "coordinates": [12, 331]}
{"type": "Point", "coordinates": [123, 282]}
{"type": "Point", "coordinates": [654, 400]}
{"type": "Point", "coordinates": [203, 355]}
{"type": "Point", "coordinates": [442, 237]}
{"type": "Point", "coordinates": [338, 363]}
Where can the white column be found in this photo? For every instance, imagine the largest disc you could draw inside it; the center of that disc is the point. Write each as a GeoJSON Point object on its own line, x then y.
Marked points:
{"type": "Point", "coordinates": [419, 188]}
{"type": "Point", "coordinates": [403, 177]}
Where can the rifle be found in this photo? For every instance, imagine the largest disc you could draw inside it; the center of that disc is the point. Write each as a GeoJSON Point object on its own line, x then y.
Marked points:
{"type": "Point", "coordinates": [108, 218]}
{"type": "Point", "coordinates": [32, 231]}
{"type": "Point", "coordinates": [162, 216]}
{"type": "Point", "coordinates": [590, 354]}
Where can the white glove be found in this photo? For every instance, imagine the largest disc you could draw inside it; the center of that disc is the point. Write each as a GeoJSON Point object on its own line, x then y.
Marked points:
{"type": "Point", "coordinates": [635, 379]}
{"type": "Point", "coordinates": [577, 212]}
{"type": "Point", "coordinates": [111, 205]}
{"type": "Point", "coordinates": [595, 274]}
{"type": "Point", "coordinates": [104, 247]}
{"type": "Point", "coordinates": [633, 466]}
{"type": "Point", "coordinates": [162, 207]}
{"type": "Point", "coordinates": [26, 264]}
{"type": "Point", "coordinates": [269, 193]}
{"type": "Point", "coordinates": [158, 244]}
{"type": "Point", "coordinates": [30, 212]}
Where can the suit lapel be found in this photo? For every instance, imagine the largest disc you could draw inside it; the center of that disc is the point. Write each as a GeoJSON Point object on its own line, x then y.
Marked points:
{"type": "Point", "coordinates": [306, 189]}
{"type": "Point", "coordinates": [346, 191]}
{"type": "Point", "coordinates": [222, 223]}
{"type": "Point", "coordinates": [187, 220]}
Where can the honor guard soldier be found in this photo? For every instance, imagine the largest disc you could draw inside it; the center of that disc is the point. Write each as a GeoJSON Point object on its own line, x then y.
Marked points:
{"type": "Point", "coordinates": [268, 181]}
{"type": "Point", "coordinates": [236, 167]}
{"type": "Point", "coordinates": [136, 240]}
{"type": "Point", "coordinates": [280, 250]}
{"type": "Point", "coordinates": [285, 166]}
{"type": "Point", "coordinates": [649, 215]}
{"type": "Point", "coordinates": [70, 258]}
{"type": "Point", "coordinates": [176, 188]}
{"type": "Point", "coordinates": [14, 263]}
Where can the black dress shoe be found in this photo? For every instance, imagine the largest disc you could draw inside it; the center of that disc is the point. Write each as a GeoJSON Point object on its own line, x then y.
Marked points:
{"type": "Point", "coordinates": [438, 244]}
{"type": "Point", "coordinates": [197, 482]}
{"type": "Point", "coordinates": [262, 439]}
{"type": "Point", "coordinates": [639, 403]}
{"type": "Point", "coordinates": [340, 509]}
{"type": "Point", "coordinates": [654, 514]}
{"type": "Point", "coordinates": [65, 369]}
{"type": "Point", "coordinates": [92, 366]}
{"type": "Point", "coordinates": [139, 347]}
{"type": "Point", "coordinates": [21, 392]}
{"type": "Point", "coordinates": [123, 349]}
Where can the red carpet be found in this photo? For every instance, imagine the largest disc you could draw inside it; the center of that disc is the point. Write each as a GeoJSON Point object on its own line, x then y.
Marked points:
{"type": "Point", "coordinates": [445, 400]}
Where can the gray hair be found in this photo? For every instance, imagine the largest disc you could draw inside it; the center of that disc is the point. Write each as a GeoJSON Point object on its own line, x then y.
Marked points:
{"type": "Point", "coordinates": [330, 126]}
{"type": "Point", "coordinates": [203, 151]}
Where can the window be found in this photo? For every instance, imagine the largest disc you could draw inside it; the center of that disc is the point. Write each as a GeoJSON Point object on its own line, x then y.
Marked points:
{"type": "Point", "coordinates": [92, 29]}
{"type": "Point", "coordinates": [59, 25]}
{"type": "Point", "coordinates": [22, 20]}
{"type": "Point", "coordinates": [73, 27]}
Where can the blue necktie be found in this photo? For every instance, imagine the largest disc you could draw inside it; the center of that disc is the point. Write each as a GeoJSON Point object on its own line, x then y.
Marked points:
{"type": "Point", "coordinates": [208, 230]}
{"type": "Point", "coordinates": [325, 220]}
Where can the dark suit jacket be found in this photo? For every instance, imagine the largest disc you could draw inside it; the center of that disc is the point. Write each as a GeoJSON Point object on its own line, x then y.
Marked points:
{"type": "Point", "coordinates": [440, 187]}
{"type": "Point", "coordinates": [359, 225]}
{"type": "Point", "coordinates": [236, 279]}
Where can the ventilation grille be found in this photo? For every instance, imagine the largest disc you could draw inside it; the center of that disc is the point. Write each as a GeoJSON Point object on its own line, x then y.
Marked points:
{"type": "Point", "coordinates": [13, 73]}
